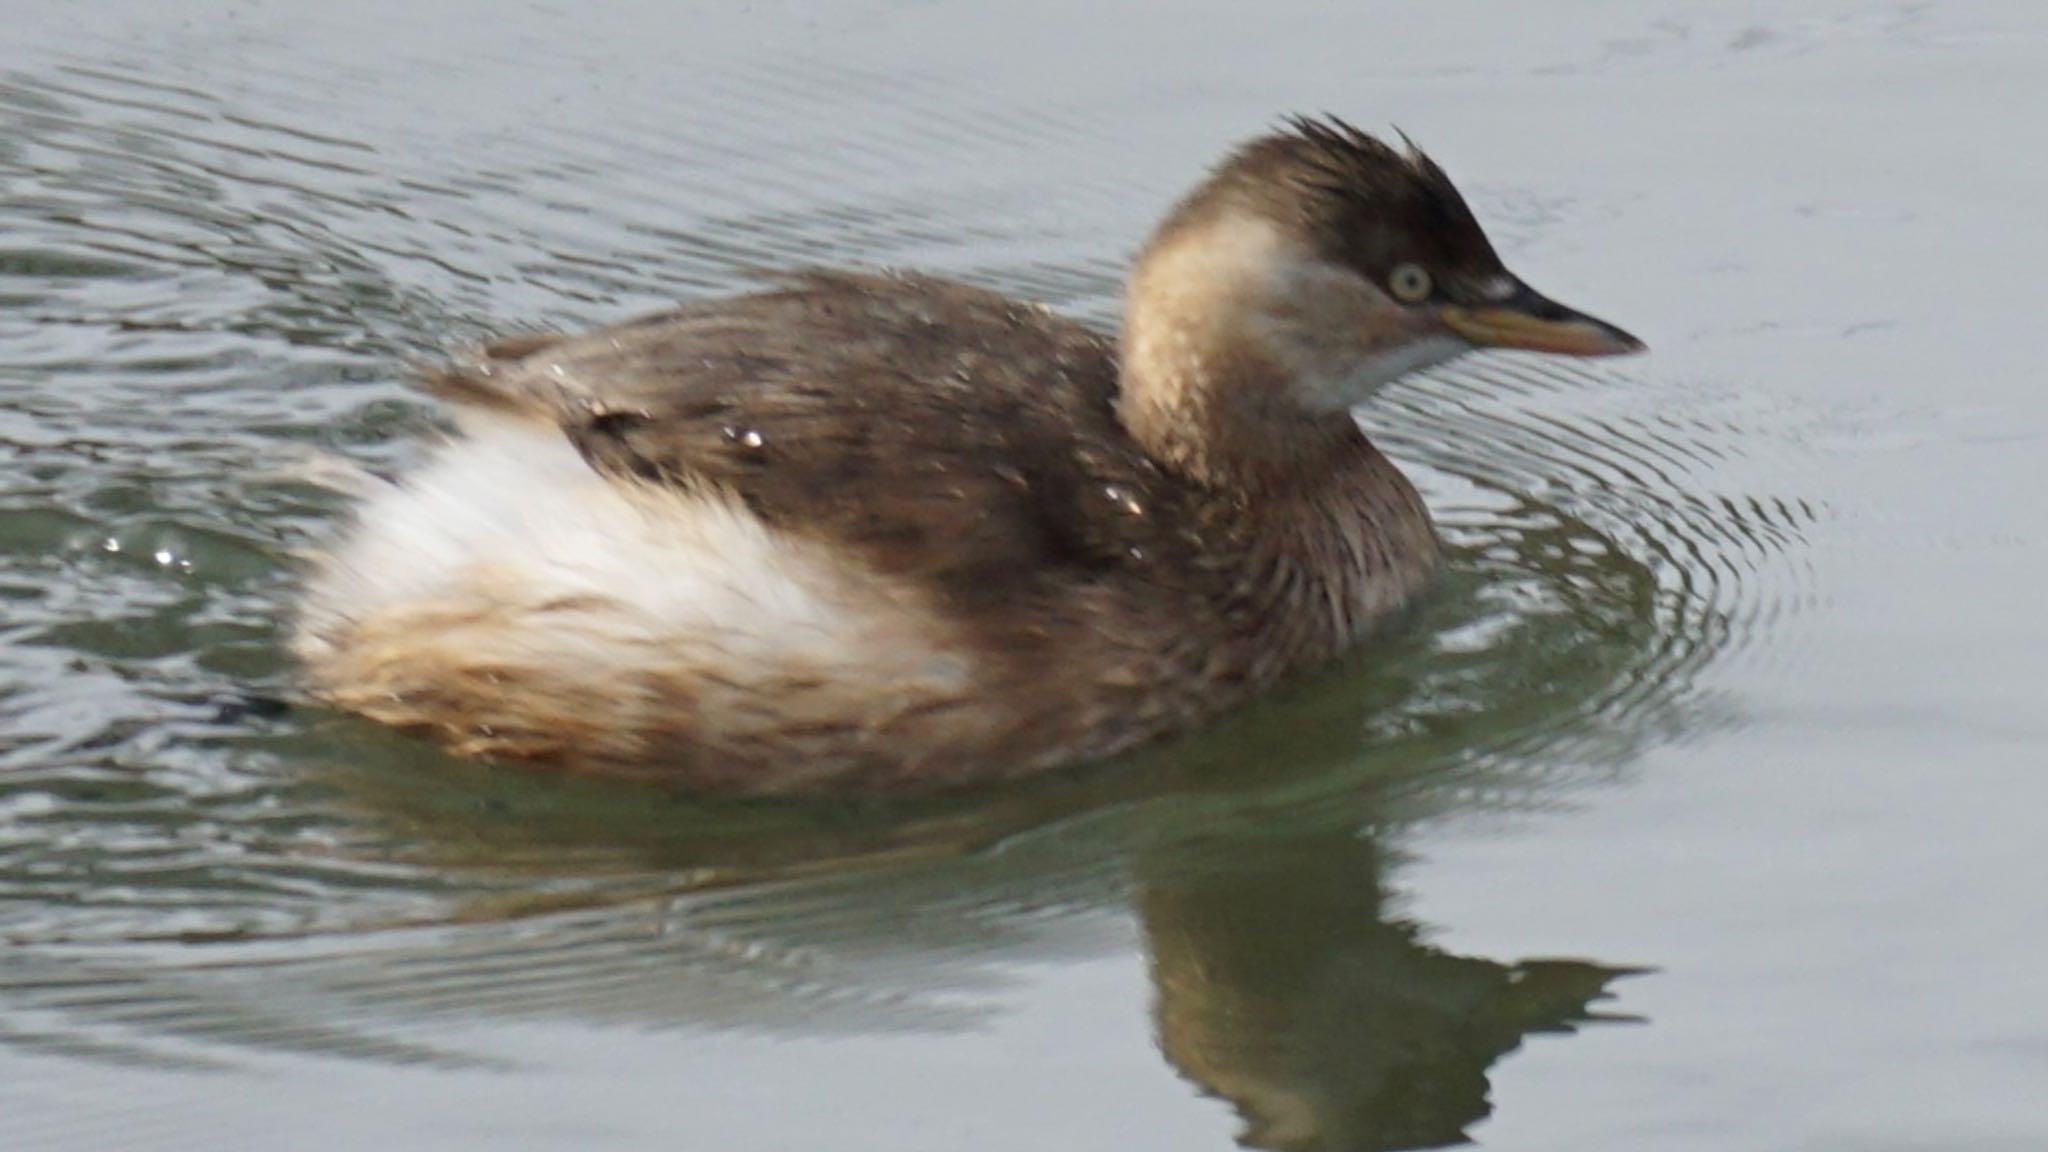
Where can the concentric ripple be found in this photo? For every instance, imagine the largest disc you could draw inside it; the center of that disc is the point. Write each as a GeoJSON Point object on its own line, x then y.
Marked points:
{"type": "Point", "coordinates": [199, 291]}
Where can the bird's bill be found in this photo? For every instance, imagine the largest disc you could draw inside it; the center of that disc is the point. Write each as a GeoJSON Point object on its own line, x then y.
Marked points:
{"type": "Point", "coordinates": [1533, 322]}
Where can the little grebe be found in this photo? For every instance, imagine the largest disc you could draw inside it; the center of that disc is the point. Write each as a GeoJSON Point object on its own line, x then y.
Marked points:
{"type": "Point", "coordinates": [860, 531]}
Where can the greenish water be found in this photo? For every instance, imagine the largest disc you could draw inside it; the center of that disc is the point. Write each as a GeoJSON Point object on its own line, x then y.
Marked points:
{"type": "Point", "coordinates": [1698, 809]}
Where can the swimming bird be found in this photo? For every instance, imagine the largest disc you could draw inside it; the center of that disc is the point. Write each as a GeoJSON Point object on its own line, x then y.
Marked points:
{"type": "Point", "coordinates": [868, 530]}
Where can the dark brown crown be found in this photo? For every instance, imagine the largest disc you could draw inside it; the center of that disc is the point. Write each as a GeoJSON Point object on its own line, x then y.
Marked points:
{"type": "Point", "coordinates": [1355, 198]}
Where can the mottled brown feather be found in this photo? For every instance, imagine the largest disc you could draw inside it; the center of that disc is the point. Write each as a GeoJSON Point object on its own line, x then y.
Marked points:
{"type": "Point", "coordinates": [1108, 571]}
{"type": "Point", "coordinates": [943, 432]}
{"type": "Point", "coordinates": [967, 442]}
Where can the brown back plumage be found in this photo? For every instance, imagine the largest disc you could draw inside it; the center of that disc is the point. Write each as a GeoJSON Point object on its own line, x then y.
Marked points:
{"type": "Point", "coordinates": [939, 431]}
{"type": "Point", "coordinates": [958, 459]}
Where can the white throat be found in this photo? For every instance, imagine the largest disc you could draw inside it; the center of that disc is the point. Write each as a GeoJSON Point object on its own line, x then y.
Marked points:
{"type": "Point", "coordinates": [1330, 391]}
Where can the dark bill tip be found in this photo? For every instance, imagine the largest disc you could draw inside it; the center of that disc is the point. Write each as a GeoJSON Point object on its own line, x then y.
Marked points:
{"type": "Point", "coordinates": [1530, 321]}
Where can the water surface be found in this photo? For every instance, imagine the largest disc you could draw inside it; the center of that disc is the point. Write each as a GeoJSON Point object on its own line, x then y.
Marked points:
{"type": "Point", "coordinates": [1698, 809]}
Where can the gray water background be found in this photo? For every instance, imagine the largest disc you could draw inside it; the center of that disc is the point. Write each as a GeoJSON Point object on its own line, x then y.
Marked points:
{"type": "Point", "coordinates": [1702, 808]}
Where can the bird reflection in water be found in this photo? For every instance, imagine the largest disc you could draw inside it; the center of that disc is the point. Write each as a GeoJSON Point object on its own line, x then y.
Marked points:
{"type": "Point", "coordinates": [1284, 986]}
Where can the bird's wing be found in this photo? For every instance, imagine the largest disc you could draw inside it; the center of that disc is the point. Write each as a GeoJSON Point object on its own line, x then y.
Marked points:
{"type": "Point", "coordinates": [945, 433]}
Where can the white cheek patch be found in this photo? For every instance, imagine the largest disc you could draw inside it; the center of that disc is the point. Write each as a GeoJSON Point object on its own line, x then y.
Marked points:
{"type": "Point", "coordinates": [1414, 356]}
{"type": "Point", "coordinates": [1315, 313]}
{"type": "Point", "coordinates": [1336, 391]}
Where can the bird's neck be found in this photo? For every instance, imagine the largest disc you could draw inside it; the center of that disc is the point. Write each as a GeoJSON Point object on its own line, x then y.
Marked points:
{"type": "Point", "coordinates": [1202, 387]}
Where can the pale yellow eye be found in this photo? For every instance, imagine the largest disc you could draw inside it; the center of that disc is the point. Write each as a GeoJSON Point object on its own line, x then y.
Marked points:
{"type": "Point", "coordinates": [1410, 283]}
